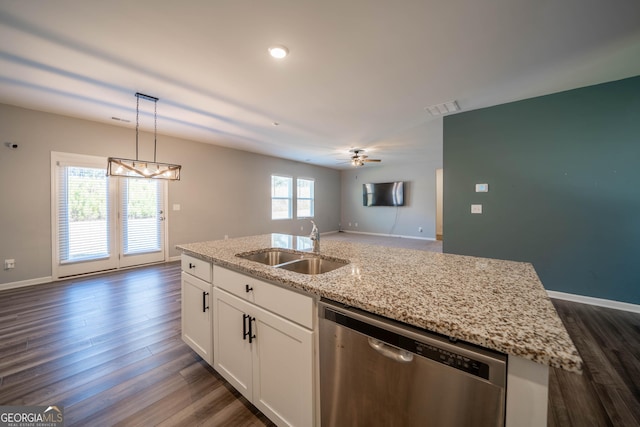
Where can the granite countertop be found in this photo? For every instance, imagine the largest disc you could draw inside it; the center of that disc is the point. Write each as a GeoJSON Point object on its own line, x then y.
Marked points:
{"type": "Point", "coordinates": [496, 304]}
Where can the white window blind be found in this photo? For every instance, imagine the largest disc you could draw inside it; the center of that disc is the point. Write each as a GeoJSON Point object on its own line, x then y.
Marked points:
{"type": "Point", "coordinates": [304, 202]}
{"type": "Point", "coordinates": [83, 213]}
{"type": "Point", "coordinates": [281, 197]}
{"type": "Point", "coordinates": [141, 216]}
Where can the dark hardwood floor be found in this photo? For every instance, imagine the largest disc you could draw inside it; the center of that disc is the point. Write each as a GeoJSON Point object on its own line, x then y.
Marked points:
{"type": "Point", "coordinates": [108, 349]}
{"type": "Point", "coordinates": [608, 392]}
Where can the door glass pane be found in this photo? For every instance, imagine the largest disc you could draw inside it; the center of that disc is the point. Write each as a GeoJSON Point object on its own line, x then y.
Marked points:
{"type": "Point", "coordinates": [141, 216]}
{"type": "Point", "coordinates": [83, 214]}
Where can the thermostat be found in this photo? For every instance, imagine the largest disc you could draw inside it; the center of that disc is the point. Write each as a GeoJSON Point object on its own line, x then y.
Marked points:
{"type": "Point", "coordinates": [482, 188]}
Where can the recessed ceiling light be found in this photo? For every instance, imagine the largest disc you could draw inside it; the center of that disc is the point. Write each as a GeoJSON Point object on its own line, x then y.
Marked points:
{"type": "Point", "coordinates": [279, 51]}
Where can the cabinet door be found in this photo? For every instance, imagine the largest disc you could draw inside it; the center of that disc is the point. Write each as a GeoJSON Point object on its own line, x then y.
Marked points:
{"type": "Point", "coordinates": [232, 350]}
{"type": "Point", "coordinates": [283, 370]}
{"type": "Point", "coordinates": [196, 316]}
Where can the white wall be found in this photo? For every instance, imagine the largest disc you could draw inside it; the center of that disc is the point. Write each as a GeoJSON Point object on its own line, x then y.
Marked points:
{"type": "Point", "coordinates": [222, 191]}
{"type": "Point", "coordinates": [420, 186]}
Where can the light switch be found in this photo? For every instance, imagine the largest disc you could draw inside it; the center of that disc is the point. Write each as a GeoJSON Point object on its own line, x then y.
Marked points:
{"type": "Point", "coordinates": [176, 206]}
{"type": "Point", "coordinates": [476, 209]}
{"type": "Point", "coordinates": [482, 188]}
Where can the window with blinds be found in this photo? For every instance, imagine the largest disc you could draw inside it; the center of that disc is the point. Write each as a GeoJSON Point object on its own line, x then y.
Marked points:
{"type": "Point", "coordinates": [83, 214]}
{"type": "Point", "coordinates": [141, 215]}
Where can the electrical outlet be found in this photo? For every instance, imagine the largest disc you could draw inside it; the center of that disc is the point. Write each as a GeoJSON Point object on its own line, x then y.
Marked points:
{"type": "Point", "coordinates": [226, 237]}
{"type": "Point", "coordinates": [476, 209]}
{"type": "Point", "coordinates": [419, 229]}
{"type": "Point", "coordinates": [9, 264]}
{"type": "Point", "coordinates": [356, 224]}
{"type": "Point", "coordinates": [349, 224]}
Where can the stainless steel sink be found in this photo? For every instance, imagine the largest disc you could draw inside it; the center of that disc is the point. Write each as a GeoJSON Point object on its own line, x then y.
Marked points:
{"type": "Point", "coordinates": [305, 263]}
{"type": "Point", "coordinates": [313, 265]}
{"type": "Point", "coordinates": [271, 257]}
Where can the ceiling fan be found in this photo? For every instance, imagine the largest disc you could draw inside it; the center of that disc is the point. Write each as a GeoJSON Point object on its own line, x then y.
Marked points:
{"type": "Point", "coordinates": [359, 159]}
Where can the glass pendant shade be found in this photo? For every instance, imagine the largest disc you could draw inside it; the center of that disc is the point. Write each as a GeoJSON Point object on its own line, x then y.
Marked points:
{"type": "Point", "coordinates": [142, 169]}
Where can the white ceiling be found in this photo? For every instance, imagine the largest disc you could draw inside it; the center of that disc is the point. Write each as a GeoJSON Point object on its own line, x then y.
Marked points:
{"type": "Point", "coordinates": [359, 73]}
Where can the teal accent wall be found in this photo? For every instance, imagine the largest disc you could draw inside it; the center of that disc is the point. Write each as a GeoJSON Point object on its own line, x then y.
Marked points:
{"type": "Point", "coordinates": [564, 187]}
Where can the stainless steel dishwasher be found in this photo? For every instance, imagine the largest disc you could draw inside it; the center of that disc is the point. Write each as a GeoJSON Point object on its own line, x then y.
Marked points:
{"type": "Point", "coordinates": [377, 372]}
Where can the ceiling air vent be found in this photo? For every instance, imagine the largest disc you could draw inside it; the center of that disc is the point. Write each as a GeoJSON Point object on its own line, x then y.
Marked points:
{"type": "Point", "coordinates": [444, 108]}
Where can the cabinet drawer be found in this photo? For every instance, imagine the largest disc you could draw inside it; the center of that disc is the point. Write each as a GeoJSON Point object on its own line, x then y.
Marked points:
{"type": "Point", "coordinates": [288, 304]}
{"type": "Point", "coordinates": [196, 267]}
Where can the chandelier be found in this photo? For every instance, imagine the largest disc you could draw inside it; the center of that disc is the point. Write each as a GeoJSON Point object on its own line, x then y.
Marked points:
{"type": "Point", "coordinates": [129, 168]}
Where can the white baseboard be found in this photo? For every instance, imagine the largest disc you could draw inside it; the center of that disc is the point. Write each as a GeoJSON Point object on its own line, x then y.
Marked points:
{"type": "Point", "coordinates": [433, 239]}
{"type": "Point", "coordinates": [49, 279]}
{"type": "Point", "coordinates": [600, 302]}
{"type": "Point", "coordinates": [23, 283]}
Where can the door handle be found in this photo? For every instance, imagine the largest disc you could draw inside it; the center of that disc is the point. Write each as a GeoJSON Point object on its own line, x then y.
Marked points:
{"type": "Point", "coordinates": [205, 307]}
{"type": "Point", "coordinates": [394, 353]}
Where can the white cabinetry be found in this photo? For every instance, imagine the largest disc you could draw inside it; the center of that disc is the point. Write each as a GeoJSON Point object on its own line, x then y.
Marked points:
{"type": "Point", "coordinates": [197, 317]}
{"type": "Point", "coordinates": [263, 345]}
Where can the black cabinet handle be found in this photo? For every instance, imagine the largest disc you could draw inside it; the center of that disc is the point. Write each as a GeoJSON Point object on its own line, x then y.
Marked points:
{"type": "Point", "coordinates": [247, 327]}
{"type": "Point", "coordinates": [244, 326]}
{"type": "Point", "coordinates": [205, 307]}
{"type": "Point", "coordinates": [251, 335]}
{"type": "Point", "coordinates": [191, 266]}
{"type": "Point", "coordinates": [248, 288]}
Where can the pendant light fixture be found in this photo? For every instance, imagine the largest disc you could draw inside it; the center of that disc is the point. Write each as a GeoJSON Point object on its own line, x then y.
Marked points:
{"type": "Point", "coordinates": [142, 168]}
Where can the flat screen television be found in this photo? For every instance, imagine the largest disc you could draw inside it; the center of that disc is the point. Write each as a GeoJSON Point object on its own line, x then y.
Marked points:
{"type": "Point", "coordinates": [383, 194]}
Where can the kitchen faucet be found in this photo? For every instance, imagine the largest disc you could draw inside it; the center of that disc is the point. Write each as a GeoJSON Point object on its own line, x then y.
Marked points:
{"type": "Point", "coordinates": [315, 236]}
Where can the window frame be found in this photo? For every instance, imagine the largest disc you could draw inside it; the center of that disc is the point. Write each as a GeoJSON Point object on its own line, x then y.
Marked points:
{"type": "Point", "coordinates": [289, 198]}
{"type": "Point", "coordinates": [311, 199]}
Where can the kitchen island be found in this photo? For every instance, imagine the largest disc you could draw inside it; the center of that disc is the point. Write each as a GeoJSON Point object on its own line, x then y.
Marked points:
{"type": "Point", "coordinates": [496, 304]}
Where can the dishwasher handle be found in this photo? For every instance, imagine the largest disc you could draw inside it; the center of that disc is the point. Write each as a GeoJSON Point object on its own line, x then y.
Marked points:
{"type": "Point", "coordinates": [393, 353]}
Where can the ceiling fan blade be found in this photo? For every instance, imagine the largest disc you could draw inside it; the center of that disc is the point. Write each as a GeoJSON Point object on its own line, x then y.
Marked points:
{"type": "Point", "coordinates": [372, 160]}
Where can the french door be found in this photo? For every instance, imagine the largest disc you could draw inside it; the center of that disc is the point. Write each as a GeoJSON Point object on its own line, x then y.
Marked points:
{"type": "Point", "coordinates": [102, 223]}
{"type": "Point", "coordinates": [141, 220]}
